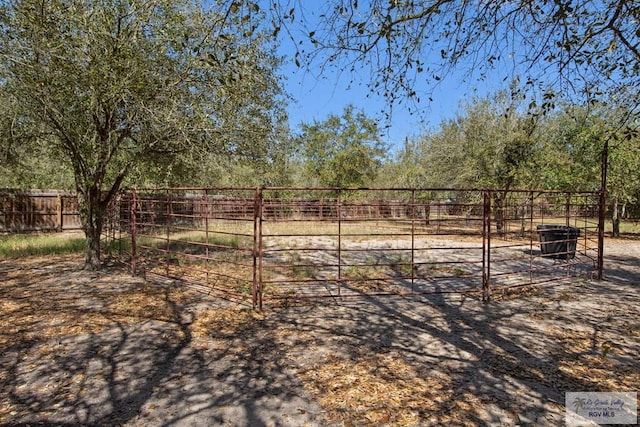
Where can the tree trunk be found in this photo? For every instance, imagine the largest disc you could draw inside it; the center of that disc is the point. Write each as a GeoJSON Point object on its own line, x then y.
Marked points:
{"type": "Point", "coordinates": [427, 212]}
{"type": "Point", "coordinates": [615, 219]}
{"type": "Point", "coordinates": [498, 211]}
{"type": "Point", "coordinates": [92, 256]}
{"type": "Point", "coordinates": [92, 217]}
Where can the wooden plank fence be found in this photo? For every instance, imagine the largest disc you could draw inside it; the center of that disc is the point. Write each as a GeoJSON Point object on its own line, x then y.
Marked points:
{"type": "Point", "coordinates": [38, 210]}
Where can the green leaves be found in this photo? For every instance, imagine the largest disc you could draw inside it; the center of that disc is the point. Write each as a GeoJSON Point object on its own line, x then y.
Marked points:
{"type": "Point", "coordinates": [343, 151]}
{"type": "Point", "coordinates": [488, 145]}
{"type": "Point", "coordinates": [118, 84]}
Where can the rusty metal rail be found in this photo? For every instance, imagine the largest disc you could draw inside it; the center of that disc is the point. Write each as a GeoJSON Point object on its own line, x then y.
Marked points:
{"type": "Point", "coordinates": [275, 244]}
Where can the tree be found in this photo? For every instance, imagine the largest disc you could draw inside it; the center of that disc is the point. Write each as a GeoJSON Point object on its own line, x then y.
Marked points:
{"type": "Point", "coordinates": [588, 47]}
{"type": "Point", "coordinates": [405, 169]}
{"type": "Point", "coordinates": [491, 144]}
{"type": "Point", "coordinates": [344, 151]}
{"type": "Point", "coordinates": [582, 50]}
{"type": "Point", "coordinates": [623, 184]}
{"type": "Point", "coordinates": [571, 153]}
{"type": "Point", "coordinates": [112, 85]}
{"type": "Point", "coordinates": [24, 165]}
{"type": "Point", "coordinates": [622, 145]}
{"type": "Point", "coordinates": [570, 149]}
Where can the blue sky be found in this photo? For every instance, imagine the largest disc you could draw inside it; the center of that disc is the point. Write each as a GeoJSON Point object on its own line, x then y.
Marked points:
{"type": "Point", "coordinates": [314, 99]}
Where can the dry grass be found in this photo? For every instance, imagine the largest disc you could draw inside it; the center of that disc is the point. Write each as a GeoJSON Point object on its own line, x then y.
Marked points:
{"type": "Point", "coordinates": [45, 300]}
{"type": "Point", "coordinates": [375, 390]}
{"type": "Point", "coordinates": [225, 322]}
{"type": "Point", "coordinates": [382, 389]}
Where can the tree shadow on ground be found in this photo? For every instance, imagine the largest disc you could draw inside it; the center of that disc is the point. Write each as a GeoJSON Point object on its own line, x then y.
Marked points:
{"type": "Point", "coordinates": [507, 362]}
{"type": "Point", "coordinates": [622, 269]}
{"type": "Point", "coordinates": [114, 350]}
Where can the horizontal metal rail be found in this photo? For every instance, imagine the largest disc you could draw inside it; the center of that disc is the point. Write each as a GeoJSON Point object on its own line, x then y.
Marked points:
{"type": "Point", "coordinates": [280, 243]}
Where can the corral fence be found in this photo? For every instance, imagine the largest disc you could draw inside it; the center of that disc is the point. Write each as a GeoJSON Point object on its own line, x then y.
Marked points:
{"type": "Point", "coordinates": [38, 210]}
{"type": "Point", "coordinates": [283, 244]}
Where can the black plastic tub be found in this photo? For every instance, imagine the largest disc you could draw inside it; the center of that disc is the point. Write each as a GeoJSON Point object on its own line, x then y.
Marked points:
{"type": "Point", "coordinates": [558, 241]}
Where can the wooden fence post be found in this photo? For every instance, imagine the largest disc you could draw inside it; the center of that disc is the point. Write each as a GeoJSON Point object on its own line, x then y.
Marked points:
{"type": "Point", "coordinates": [59, 215]}
{"type": "Point", "coordinates": [12, 214]}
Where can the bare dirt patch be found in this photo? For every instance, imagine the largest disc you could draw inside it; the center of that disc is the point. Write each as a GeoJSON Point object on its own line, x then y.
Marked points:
{"type": "Point", "coordinates": [108, 349]}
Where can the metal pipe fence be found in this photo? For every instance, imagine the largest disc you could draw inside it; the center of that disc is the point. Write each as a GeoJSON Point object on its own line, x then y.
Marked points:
{"type": "Point", "coordinates": [282, 244]}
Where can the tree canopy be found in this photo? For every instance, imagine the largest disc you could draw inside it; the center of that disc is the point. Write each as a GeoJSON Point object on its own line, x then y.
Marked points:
{"type": "Point", "coordinates": [586, 48]}
{"type": "Point", "coordinates": [112, 85]}
{"type": "Point", "coordinates": [342, 151]}
{"type": "Point", "coordinates": [489, 144]}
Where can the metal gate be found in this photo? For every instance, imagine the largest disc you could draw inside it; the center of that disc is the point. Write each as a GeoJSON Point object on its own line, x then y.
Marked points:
{"type": "Point", "coordinates": [282, 244]}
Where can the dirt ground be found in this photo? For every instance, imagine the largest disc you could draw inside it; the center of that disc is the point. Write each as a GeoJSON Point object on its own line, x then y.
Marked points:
{"type": "Point", "coordinates": [108, 349]}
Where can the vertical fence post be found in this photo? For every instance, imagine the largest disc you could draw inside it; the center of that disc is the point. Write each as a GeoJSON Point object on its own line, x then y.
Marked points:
{"type": "Point", "coordinates": [132, 226]}
{"type": "Point", "coordinates": [486, 247]}
{"type": "Point", "coordinates": [602, 208]}
{"type": "Point", "coordinates": [59, 213]}
{"type": "Point", "coordinates": [254, 253]}
{"type": "Point", "coordinates": [339, 212]}
{"type": "Point", "coordinates": [118, 223]}
{"type": "Point", "coordinates": [531, 203]}
{"type": "Point", "coordinates": [567, 237]}
{"type": "Point", "coordinates": [11, 221]}
{"type": "Point", "coordinates": [115, 220]}
{"type": "Point", "coordinates": [260, 254]}
{"type": "Point", "coordinates": [206, 233]}
{"type": "Point", "coordinates": [3, 214]}
{"type": "Point", "coordinates": [257, 249]}
{"type": "Point", "coordinates": [567, 210]}
{"type": "Point", "coordinates": [413, 239]}
{"type": "Point", "coordinates": [115, 209]}
{"type": "Point", "coordinates": [168, 225]}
